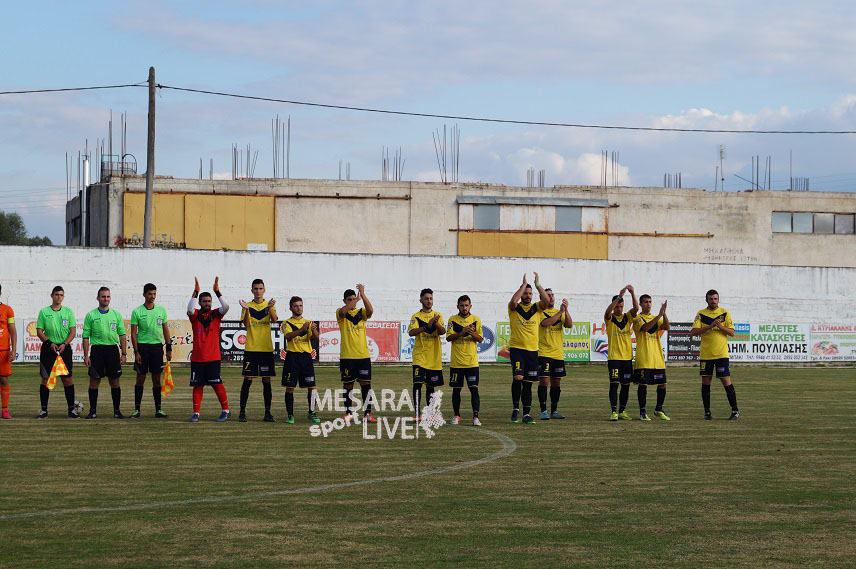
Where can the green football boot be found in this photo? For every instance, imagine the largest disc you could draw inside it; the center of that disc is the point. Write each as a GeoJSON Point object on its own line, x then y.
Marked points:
{"type": "Point", "coordinates": [625, 416]}
{"type": "Point", "coordinates": [662, 416]}
{"type": "Point", "coordinates": [613, 416]}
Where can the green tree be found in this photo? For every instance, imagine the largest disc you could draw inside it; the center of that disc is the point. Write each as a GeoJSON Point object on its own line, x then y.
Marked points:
{"type": "Point", "coordinates": [14, 232]}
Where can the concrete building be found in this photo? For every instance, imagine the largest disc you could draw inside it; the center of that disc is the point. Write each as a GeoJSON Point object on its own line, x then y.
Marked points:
{"type": "Point", "coordinates": [475, 220]}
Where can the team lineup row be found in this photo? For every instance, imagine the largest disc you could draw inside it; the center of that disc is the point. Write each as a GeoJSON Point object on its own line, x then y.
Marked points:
{"type": "Point", "coordinates": [535, 345]}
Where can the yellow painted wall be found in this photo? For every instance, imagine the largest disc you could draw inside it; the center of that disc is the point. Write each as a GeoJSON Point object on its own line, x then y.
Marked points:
{"type": "Point", "coordinates": [542, 245]}
{"type": "Point", "coordinates": [204, 221]}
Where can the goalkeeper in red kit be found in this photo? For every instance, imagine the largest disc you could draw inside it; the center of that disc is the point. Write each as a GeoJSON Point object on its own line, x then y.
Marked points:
{"type": "Point", "coordinates": [205, 357]}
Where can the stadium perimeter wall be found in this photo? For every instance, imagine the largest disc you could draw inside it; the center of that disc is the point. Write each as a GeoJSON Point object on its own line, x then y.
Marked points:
{"type": "Point", "coordinates": [761, 294]}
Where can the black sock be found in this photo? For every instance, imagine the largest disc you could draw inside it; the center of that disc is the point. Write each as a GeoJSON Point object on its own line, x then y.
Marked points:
{"type": "Point", "coordinates": [364, 390]}
{"type": "Point", "coordinates": [705, 397]}
{"type": "Point", "coordinates": [116, 395]}
{"type": "Point", "coordinates": [555, 393]}
{"type": "Point", "coordinates": [289, 402]}
{"type": "Point", "coordinates": [542, 397]}
{"type": "Point", "coordinates": [245, 394]}
{"type": "Point", "coordinates": [417, 398]}
{"type": "Point", "coordinates": [476, 399]}
{"type": "Point", "coordinates": [456, 401]}
{"type": "Point", "coordinates": [156, 395]}
{"type": "Point", "coordinates": [732, 396]}
{"type": "Point", "coordinates": [138, 396]}
{"type": "Point", "coordinates": [623, 396]}
{"type": "Point", "coordinates": [347, 398]}
{"type": "Point", "coordinates": [516, 389]}
{"type": "Point", "coordinates": [642, 394]}
{"type": "Point", "coordinates": [44, 395]}
{"type": "Point", "coordinates": [429, 391]}
{"type": "Point", "coordinates": [69, 395]}
{"type": "Point", "coordinates": [93, 400]}
{"type": "Point", "coordinates": [661, 396]}
{"type": "Point", "coordinates": [267, 393]}
{"type": "Point", "coordinates": [526, 396]}
{"type": "Point", "coordinates": [613, 396]}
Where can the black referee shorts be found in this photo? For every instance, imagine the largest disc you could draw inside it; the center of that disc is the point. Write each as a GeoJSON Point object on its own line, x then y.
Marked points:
{"type": "Point", "coordinates": [47, 357]}
{"type": "Point", "coordinates": [104, 361]}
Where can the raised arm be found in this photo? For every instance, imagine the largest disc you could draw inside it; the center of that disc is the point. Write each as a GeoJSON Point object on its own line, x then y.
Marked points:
{"type": "Point", "coordinates": [191, 304]}
{"type": "Point", "coordinates": [665, 325]}
{"type": "Point", "coordinates": [608, 314]}
{"type": "Point", "coordinates": [515, 298]}
{"type": "Point", "coordinates": [635, 310]}
{"type": "Point", "coordinates": [567, 321]}
{"type": "Point", "coordinates": [272, 310]}
{"type": "Point", "coordinates": [224, 306]}
{"type": "Point", "coordinates": [361, 292]}
{"type": "Point", "coordinates": [542, 294]}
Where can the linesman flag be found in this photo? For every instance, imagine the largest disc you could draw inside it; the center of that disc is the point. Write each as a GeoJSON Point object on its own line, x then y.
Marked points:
{"type": "Point", "coordinates": [59, 368]}
{"type": "Point", "coordinates": [168, 384]}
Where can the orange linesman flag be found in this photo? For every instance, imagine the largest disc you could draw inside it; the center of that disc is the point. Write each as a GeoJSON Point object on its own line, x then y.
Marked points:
{"type": "Point", "coordinates": [59, 368]}
{"type": "Point", "coordinates": [168, 384]}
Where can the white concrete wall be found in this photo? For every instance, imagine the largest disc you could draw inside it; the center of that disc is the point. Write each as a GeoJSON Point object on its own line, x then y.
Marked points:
{"type": "Point", "coordinates": [753, 293]}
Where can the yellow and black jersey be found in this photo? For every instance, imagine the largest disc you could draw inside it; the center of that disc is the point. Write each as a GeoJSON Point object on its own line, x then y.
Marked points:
{"type": "Point", "coordinates": [465, 353]}
{"type": "Point", "coordinates": [301, 342]}
{"type": "Point", "coordinates": [714, 343]}
{"type": "Point", "coordinates": [427, 352]}
{"type": "Point", "coordinates": [649, 351]}
{"type": "Point", "coordinates": [618, 335]}
{"type": "Point", "coordinates": [551, 339]}
{"type": "Point", "coordinates": [525, 321]}
{"type": "Point", "coordinates": [257, 318]}
{"type": "Point", "coordinates": [352, 331]}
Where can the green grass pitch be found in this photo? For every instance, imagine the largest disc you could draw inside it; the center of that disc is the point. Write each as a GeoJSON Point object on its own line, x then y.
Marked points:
{"type": "Point", "coordinates": [773, 489]}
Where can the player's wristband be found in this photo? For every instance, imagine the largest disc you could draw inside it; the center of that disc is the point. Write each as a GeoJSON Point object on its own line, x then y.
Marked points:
{"type": "Point", "coordinates": [169, 347]}
{"type": "Point", "coordinates": [217, 292]}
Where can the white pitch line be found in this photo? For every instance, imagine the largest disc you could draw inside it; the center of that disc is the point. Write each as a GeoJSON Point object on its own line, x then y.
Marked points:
{"type": "Point", "coordinates": [508, 447]}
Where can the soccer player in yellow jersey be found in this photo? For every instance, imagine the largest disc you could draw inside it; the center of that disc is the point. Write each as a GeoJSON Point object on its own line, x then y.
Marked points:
{"type": "Point", "coordinates": [650, 365]}
{"type": "Point", "coordinates": [257, 316]}
{"type": "Point", "coordinates": [355, 363]}
{"type": "Point", "coordinates": [714, 324]}
{"type": "Point", "coordinates": [426, 328]}
{"type": "Point", "coordinates": [465, 333]}
{"type": "Point", "coordinates": [619, 328]}
{"type": "Point", "coordinates": [551, 354]}
{"type": "Point", "coordinates": [524, 320]}
{"type": "Point", "coordinates": [297, 369]}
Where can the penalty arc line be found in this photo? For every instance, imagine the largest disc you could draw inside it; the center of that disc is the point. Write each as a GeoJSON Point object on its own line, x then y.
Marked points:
{"type": "Point", "coordinates": [508, 447]}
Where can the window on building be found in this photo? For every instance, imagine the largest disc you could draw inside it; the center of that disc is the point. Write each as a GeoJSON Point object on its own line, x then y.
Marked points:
{"type": "Point", "coordinates": [844, 224]}
{"type": "Point", "coordinates": [781, 222]}
{"type": "Point", "coordinates": [486, 216]}
{"type": "Point", "coordinates": [824, 223]}
{"type": "Point", "coordinates": [803, 222]}
{"type": "Point", "coordinates": [569, 218]}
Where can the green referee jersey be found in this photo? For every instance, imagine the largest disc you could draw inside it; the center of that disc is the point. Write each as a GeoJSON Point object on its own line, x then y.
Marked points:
{"type": "Point", "coordinates": [56, 323]}
{"type": "Point", "coordinates": [103, 328]}
{"type": "Point", "coordinates": [149, 323]}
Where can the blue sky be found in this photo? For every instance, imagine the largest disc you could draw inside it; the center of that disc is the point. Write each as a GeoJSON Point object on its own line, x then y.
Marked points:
{"type": "Point", "coordinates": [763, 65]}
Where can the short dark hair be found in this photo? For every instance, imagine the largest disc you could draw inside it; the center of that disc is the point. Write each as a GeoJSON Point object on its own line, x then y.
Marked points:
{"type": "Point", "coordinates": [349, 292]}
{"type": "Point", "coordinates": [644, 296]}
{"type": "Point", "coordinates": [548, 290]}
{"type": "Point", "coordinates": [57, 289]}
{"type": "Point", "coordinates": [464, 298]}
{"type": "Point", "coordinates": [617, 297]}
{"type": "Point", "coordinates": [102, 289]}
{"type": "Point", "coordinates": [148, 286]}
{"type": "Point", "coordinates": [294, 299]}
{"type": "Point", "coordinates": [528, 286]}
{"type": "Point", "coordinates": [710, 293]}
{"type": "Point", "coordinates": [204, 295]}
{"type": "Point", "coordinates": [425, 291]}
{"type": "Point", "coordinates": [258, 281]}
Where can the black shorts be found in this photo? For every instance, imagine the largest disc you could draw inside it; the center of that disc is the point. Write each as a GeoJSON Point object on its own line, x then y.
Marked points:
{"type": "Point", "coordinates": [525, 363]}
{"type": "Point", "coordinates": [650, 376]}
{"type": "Point", "coordinates": [104, 361]}
{"type": "Point", "coordinates": [620, 371]}
{"type": "Point", "coordinates": [549, 367]}
{"type": "Point", "coordinates": [707, 367]}
{"type": "Point", "coordinates": [433, 377]}
{"type": "Point", "coordinates": [458, 375]}
{"type": "Point", "coordinates": [47, 357]}
{"type": "Point", "coordinates": [355, 370]}
{"type": "Point", "coordinates": [205, 373]}
{"type": "Point", "coordinates": [297, 369]}
{"type": "Point", "coordinates": [258, 364]}
{"type": "Point", "coordinates": [151, 359]}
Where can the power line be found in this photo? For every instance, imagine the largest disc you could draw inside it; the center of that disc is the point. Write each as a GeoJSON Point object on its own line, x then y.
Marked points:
{"type": "Point", "coordinates": [497, 120]}
{"type": "Point", "coordinates": [66, 89]}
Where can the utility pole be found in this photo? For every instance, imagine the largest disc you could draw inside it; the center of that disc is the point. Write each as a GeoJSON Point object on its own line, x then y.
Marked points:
{"type": "Point", "coordinates": [150, 162]}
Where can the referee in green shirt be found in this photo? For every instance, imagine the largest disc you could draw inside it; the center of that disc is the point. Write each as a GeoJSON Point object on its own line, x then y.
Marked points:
{"type": "Point", "coordinates": [148, 331]}
{"type": "Point", "coordinates": [103, 339]}
{"type": "Point", "coordinates": [56, 328]}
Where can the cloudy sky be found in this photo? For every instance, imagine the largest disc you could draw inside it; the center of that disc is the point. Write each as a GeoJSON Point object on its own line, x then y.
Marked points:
{"type": "Point", "coordinates": [783, 65]}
